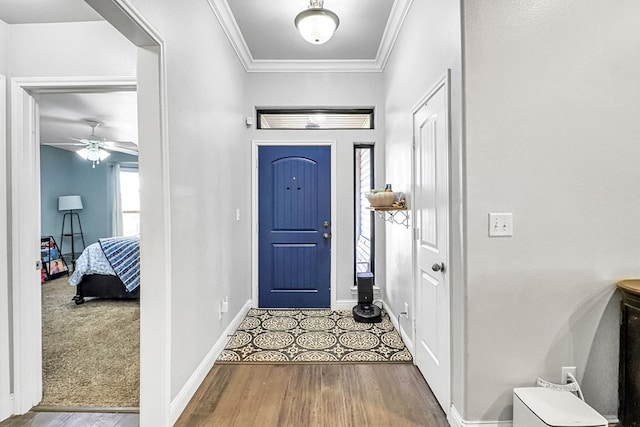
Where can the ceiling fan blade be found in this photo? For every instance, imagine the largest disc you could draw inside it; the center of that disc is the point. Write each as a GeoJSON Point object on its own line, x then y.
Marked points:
{"type": "Point", "coordinates": [84, 141]}
{"type": "Point", "coordinates": [121, 150]}
{"type": "Point", "coordinates": [74, 144]}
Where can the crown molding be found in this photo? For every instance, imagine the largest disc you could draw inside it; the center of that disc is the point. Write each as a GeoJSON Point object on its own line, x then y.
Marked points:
{"type": "Point", "coordinates": [228, 22]}
{"type": "Point", "coordinates": [392, 30]}
{"type": "Point", "coordinates": [223, 13]}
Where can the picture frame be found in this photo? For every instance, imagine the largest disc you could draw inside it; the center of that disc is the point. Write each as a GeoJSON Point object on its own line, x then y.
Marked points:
{"type": "Point", "coordinates": [56, 266]}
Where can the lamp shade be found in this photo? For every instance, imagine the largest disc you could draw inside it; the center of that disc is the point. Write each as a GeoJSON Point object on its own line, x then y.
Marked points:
{"type": "Point", "coordinates": [317, 25]}
{"type": "Point", "coordinates": [68, 203]}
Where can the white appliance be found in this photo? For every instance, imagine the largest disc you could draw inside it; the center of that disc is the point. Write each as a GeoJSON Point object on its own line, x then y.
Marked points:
{"type": "Point", "coordinates": [547, 407]}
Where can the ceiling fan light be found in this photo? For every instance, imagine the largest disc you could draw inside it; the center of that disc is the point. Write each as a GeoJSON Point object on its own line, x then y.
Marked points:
{"type": "Point", "coordinates": [93, 155]}
{"type": "Point", "coordinates": [84, 153]}
{"type": "Point", "coordinates": [316, 24]}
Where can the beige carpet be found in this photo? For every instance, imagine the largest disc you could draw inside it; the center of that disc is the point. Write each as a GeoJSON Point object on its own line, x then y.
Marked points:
{"type": "Point", "coordinates": [90, 352]}
{"type": "Point", "coordinates": [313, 336]}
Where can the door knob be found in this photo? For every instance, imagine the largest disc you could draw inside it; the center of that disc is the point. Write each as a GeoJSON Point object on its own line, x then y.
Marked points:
{"type": "Point", "coordinates": [326, 236]}
{"type": "Point", "coordinates": [438, 267]}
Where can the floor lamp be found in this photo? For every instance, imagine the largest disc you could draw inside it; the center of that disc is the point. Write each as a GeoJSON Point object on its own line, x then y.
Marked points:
{"type": "Point", "coordinates": [71, 204]}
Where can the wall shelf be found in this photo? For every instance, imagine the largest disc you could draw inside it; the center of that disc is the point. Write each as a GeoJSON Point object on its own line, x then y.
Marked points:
{"type": "Point", "coordinates": [398, 216]}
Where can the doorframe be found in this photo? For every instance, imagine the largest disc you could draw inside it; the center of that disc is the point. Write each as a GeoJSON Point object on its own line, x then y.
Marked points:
{"type": "Point", "coordinates": [443, 81]}
{"type": "Point", "coordinates": [155, 302]}
{"type": "Point", "coordinates": [6, 405]}
{"type": "Point", "coordinates": [24, 143]}
{"type": "Point", "coordinates": [256, 144]}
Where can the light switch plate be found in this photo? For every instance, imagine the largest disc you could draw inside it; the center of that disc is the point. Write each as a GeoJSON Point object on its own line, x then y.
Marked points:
{"type": "Point", "coordinates": [500, 224]}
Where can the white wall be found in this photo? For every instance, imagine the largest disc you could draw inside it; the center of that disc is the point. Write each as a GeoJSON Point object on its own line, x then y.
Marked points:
{"type": "Point", "coordinates": [77, 49]}
{"type": "Point", "coordinates": [4, 51]}
{"type": "Point", "coordinates": [329, 90]}
{"type": "Point", "coordinates": [552, 108]}
{"type": "Point", "coordinates": [209, 179]}
{"type": "Point", "coordinates": [428, 45]}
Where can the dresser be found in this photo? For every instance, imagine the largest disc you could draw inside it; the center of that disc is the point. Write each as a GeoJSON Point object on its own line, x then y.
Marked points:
{"type": "Point", "coordinates": [629, 381]}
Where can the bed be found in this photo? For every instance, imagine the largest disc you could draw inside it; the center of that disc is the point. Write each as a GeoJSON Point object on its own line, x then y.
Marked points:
{"type": "Point", "coordinates": [109, 268]}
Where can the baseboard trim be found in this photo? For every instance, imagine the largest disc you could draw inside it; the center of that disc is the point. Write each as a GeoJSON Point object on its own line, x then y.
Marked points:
{"type": "Point", "coordinates": [376, 291]}
{"type": "Point", "coordinates": [455, 420]}
{"type": "Point", "coordinates": [345, 304]}
{"type": "Point", "coordinates": [182, 399]}
{"type": "Point", "coordinates": [408, 341]}
{"type": "Point", "coordinates": [89, 409]}
{"type": "Point", "coordinates": [7, 407]}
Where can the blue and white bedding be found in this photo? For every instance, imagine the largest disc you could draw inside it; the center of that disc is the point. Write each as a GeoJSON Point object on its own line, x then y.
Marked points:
{"type": "Point", "coordinates": [115, 256]}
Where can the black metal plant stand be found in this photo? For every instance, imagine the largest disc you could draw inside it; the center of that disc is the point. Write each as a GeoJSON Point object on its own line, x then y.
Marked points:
{"type": "Point", "coordinates": [72, 234]}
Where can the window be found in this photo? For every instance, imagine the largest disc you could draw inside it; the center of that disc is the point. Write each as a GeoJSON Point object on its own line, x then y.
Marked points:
{"type": "Point", "coordinates": [315, 118]}
{"type": "Point", "coordinates": [130, 201]}
{"type": "Point", "coordinates": [364, 225]}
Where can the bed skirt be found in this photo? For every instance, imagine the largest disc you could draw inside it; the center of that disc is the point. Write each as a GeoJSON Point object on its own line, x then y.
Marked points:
{"type": "Point", "coordinates": [103, 286]}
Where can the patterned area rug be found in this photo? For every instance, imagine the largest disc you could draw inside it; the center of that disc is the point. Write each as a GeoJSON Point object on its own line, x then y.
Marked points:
{"type": "Point", "coordinates": [313, 336]}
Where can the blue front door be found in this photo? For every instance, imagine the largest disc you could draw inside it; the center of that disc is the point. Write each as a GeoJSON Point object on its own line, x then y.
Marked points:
{"type": "Point", "coordinates": [294, 213]}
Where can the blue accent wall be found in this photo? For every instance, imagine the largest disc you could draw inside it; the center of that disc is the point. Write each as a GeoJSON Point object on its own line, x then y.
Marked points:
{"type": "Point", "coordinates": [64, 173]}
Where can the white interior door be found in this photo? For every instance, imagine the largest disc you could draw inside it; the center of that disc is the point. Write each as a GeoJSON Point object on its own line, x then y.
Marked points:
{"type": "Point", "coordinates": [431, 210]}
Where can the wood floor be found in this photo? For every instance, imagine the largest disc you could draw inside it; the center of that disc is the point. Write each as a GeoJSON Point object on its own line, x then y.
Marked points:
{"type": "Point", "coordinates": [358, 395]}
{"type": "Point", "coordinates": [313, 395]}
{"type": "Point", "coordinates": [72, 419]}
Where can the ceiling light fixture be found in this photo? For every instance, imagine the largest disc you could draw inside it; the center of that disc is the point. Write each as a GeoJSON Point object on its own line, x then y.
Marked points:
{"type": "Point", "coordinates": [316, 24]}
{"type": "Point", "coordinates": [93, 154]}
{"type": "Point", "coordinates": [92, 150]}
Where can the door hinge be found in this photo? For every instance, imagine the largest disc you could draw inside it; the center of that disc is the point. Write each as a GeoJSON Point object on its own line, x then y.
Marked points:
{"type": "Point", "coordinates": [416, 233]}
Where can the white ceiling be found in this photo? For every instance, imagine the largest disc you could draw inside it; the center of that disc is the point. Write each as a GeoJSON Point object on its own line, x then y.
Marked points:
{"type": "Point", "coordinates": [261, 31]}
{"type": "Point", "coordinates": [265, 38]}
{"type": "Point", "coordinates": [65, 115]}
{"type": "Point", "coordinates": [43, 11]}
{"type": "Point", "coordinates": [270, 34]}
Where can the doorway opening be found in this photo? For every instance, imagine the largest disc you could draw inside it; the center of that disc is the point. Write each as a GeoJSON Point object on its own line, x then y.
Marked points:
{"type": "Point", "coordinates": [90, 347]}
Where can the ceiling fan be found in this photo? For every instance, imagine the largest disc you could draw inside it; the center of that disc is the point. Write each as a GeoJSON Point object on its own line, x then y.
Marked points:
{"type": "Point", "coordinates": [95, 148]}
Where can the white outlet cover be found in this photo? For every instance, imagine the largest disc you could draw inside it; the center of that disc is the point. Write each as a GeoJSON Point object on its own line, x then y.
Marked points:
{"type": "Point", "coordinates": [501, 224]}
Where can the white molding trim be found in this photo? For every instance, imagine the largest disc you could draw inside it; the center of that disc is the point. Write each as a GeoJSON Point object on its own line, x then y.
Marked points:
{"type": "Point", "coordinates": [223, 13]}
{"type": "Point", "coordinates": [6, 399]}
{"type": "Point", "coordinates": [398, 13]}
{"type": "Point", "coordinates": [345, 304]}
{"type": "Point", "coordinates": [455, 420]}
{"type": "Point", "coordinates": [25, 172]}
{"type": "Point", "coordinates": [155, 305]}
{"type": "Point", "coordinates": [186, 394]}
{"type": "Point", "coordinates": [377, 291]}
{"type": "Point", "coordinates": [255, 144]}
{"type": "Point", "coordinates": [405, 336]}
{"type": "Point", "coordinates": [397, 16]}
{"type": "Point", "coordinates": [76, 84]}
{"type": "Point", "coordinates": [25, 284]}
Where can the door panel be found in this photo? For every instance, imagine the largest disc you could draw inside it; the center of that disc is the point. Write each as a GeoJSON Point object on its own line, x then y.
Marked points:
{"type": "Point", "coordinates": [432, 211]}
{"type": "Point", "coordinates": [294, 200]}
